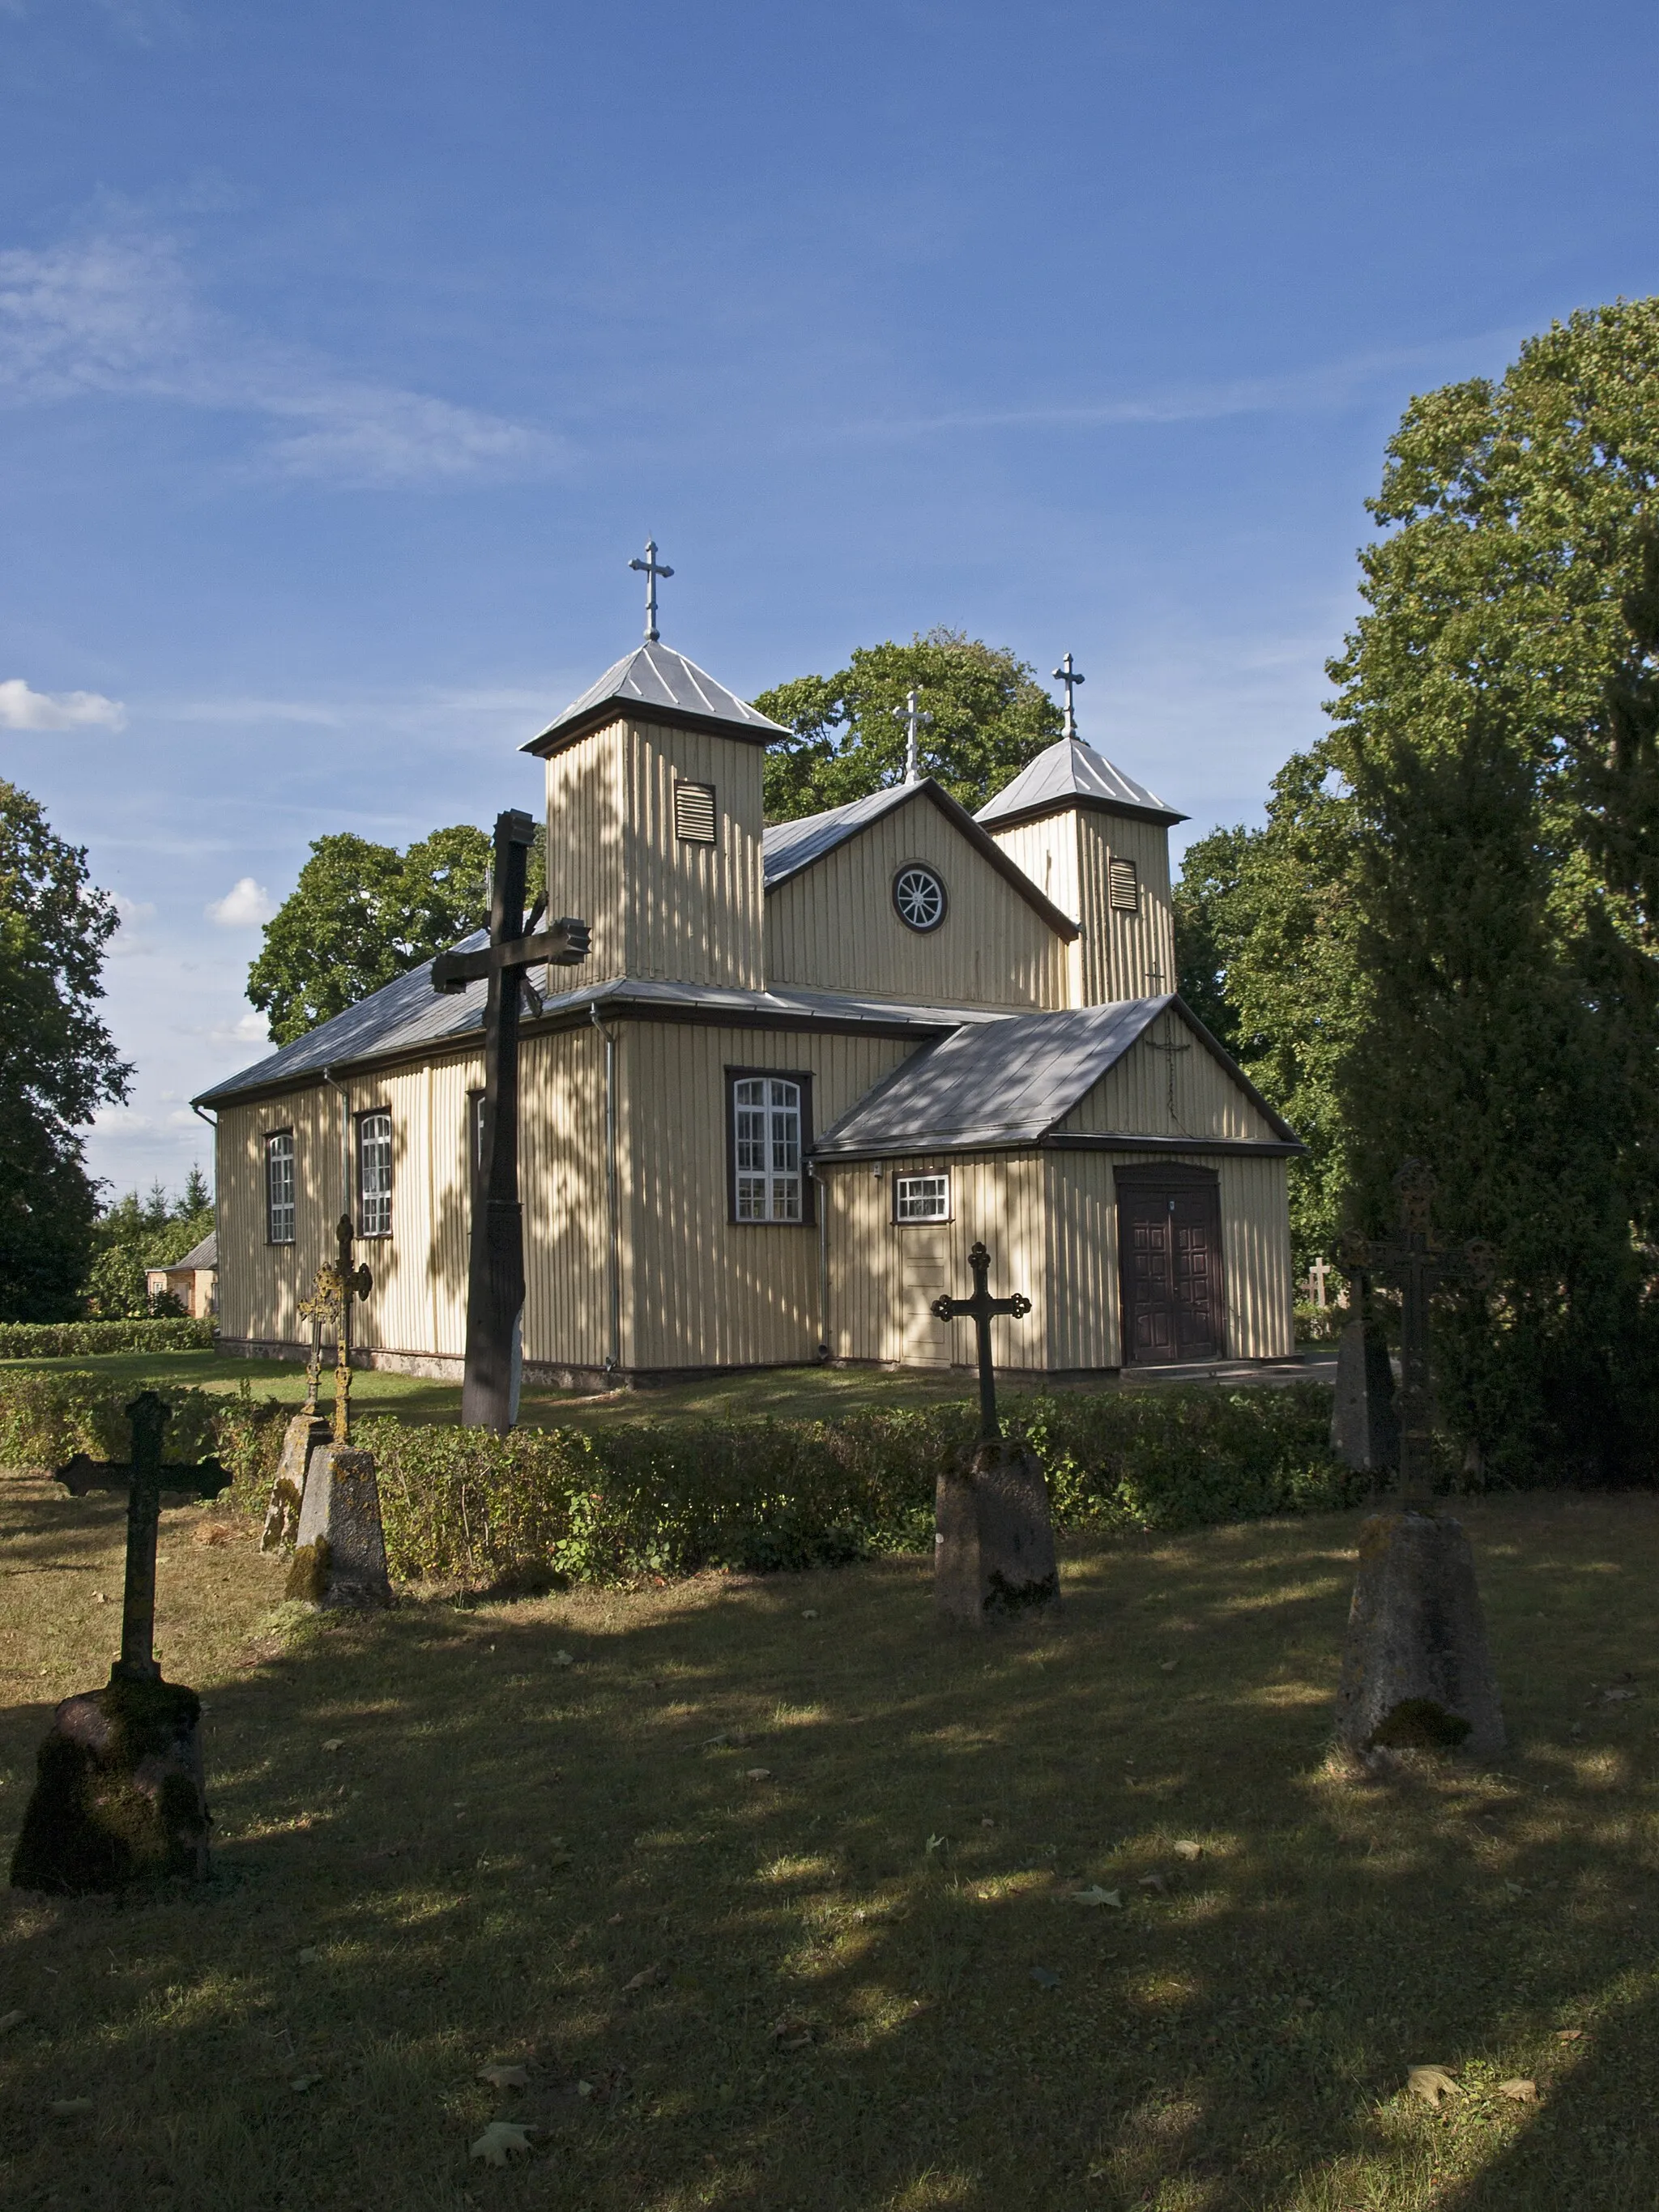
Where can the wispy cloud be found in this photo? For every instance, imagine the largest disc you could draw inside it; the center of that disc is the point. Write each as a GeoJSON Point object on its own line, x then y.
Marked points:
{"type": "Point", "coordinates": [244, 906]}
{"type": "Point", "coordinates": [23, 710]}
{"type": "Point", "coordinates": [118, 315]}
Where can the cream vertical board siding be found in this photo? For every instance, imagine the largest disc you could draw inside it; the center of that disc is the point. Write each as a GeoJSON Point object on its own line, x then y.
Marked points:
{"type": "Point", "coordinates": [1047, 851]}
{"type": "Point", "coordinates": [260, 1284]}
{"type": "Point", "coordinates": [1083, 1253]}
{"type": "Point", "coordinates": [562, 1178]}
{"type": "Point", "coordinates": [694, 911]}
{"type": "Point", "coordinates": [1125, 955]}
{"type": "Point", "coordinates": [586, 866]}
{"type": "Point", "coordinates": [1183, 1092]}
{"type": "Point", "coordinates": [833, 927]}
{"type": "Point", "coordinates": [882, 1271]}
{"type": "Point", "coordinates": [700, 1290]}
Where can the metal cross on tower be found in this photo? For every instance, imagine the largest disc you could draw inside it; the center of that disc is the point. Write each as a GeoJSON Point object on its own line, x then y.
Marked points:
{"type": "Point", "coordinates": [1418, 1269]}
{"type": "Point", "coordinates": [495, 1292]}
{"type": "Point", "coordinates": [651, 567]}
{"type": "Point", "coordinates": [979, 1310]}
{"type": "Point", "coordinates": [143, 1478]}
{"type": "Point", "coordinates": [1071, 678]}
{"type": "Point", "coordinates": [912, 717]}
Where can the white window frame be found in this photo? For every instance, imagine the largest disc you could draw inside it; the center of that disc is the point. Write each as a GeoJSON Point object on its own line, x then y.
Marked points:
{"type": "Point", "coordinates": [768, 1140]}
{"type": "Point", "coordinates": [281, 1212]}
{"type": "Point", "coordinates": [374, 1172]}
{"type": "Point", "coordinates": [913, 1197]}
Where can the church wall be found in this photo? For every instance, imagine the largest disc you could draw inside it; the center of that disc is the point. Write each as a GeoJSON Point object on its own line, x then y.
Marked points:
{"type": "Point", "coordinates": [260, 1284]}
{"type": "Point", "coordinates": [833, 927]}
{"type": "Point", "coordinates": [1068, 855]}
{"type": "Point", "coordinates": [885, 1274]}
{"type": "Point", "coordinates": [702, 1290]}
{"type": "Point", "coordinates": [1153, 1093]}
{"type": "Point", "coordinates": [586, 788]}
{"type": "Point", "coordinates": [561, 1179]}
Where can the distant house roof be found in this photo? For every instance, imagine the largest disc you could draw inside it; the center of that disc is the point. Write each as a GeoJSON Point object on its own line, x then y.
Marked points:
{"type": "Point", "coordinates": [789, 846]}
{"type": "Point", "coordinates": [1072, 773]}
{"type": "Point", "coordinates": [669, 688]}
{"type": "Point", "coordinates": [201, 1256]}
{"type": "Point", "coordinates": [402, 1016]}
{"type": "Point", "coordinates": [1011, 1083]}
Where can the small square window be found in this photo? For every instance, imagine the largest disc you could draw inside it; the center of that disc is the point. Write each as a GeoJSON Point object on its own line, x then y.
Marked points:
{"type": "Point", "coordinates": [1125, 888]}
{"type": "Point", "coordinates": [921, 1198]}
{"type": "Point", "coordinates": [279, 1188]}
{"type": "Point", "coordinates": [694, 813]}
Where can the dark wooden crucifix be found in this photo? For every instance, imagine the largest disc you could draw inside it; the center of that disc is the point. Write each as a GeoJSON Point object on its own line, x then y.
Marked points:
{"type": "Point", "coordinates": [495, 1293]}
{"type": "Point", "coordinates": [1417, 1268]}
{"type": "Point", "coordinates": [979, 1310]}
{"type": "Point", "coordinates": [143, 1478]}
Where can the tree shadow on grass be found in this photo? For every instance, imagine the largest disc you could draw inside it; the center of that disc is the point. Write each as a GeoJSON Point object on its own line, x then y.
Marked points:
{"type": "Point", "coordinates": [813, 1985]}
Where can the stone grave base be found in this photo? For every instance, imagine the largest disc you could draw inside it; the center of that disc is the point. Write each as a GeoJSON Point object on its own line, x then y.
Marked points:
{"type": "Point", "coordinates": [119, 1797]}
{"type": "Point", "coordinates": [1416, 1672]}
{"type": "Point", "coordinates": [340, 1555]}
{"type": "Point", "coordinates": [305, 1434]}
{"type": "Point", "coordinates": [993, 1547]}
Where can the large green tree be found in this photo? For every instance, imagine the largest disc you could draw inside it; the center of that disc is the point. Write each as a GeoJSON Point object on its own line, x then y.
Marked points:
{"type": "Point", "coordinates": [1495, 724]}
{"type": "Point", "coordinates": [990, 716]}
{"type": "Point", "coordinates": [363, 914]}
{"type": "Point", "coordinates": [59, 1062]}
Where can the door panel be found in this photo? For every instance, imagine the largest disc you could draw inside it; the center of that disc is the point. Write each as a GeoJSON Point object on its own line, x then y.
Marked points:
{"type": "Point", "coordinates": [1170, 1243]}
{"type": "Point", "coordinates": [924, 1275]}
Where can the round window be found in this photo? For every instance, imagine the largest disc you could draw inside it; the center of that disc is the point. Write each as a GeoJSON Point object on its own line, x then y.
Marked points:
{"type": "Point", "coordinates": [920, 898]}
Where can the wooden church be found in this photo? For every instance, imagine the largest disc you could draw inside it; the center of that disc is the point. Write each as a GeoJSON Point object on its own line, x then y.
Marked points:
{"type": "Point", "coordinates": [803, 1069]}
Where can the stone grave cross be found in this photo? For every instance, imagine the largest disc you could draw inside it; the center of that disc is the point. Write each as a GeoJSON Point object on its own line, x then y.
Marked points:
{"type": "Point", "coordinates": [1319, 1274]}
{"type": "Point", "coordinates": [495, 1292]}
{"type": "Point", "coordinates": [143, 1478]}
{"type": "Point", "coordinates": [1417, 1268]}
{"type": "Point", "coordinates": [979, 1310]}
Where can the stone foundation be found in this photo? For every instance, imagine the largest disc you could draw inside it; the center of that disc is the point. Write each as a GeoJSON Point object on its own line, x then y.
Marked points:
{"type": "Point", "coordinates": [119, 1796]}
{"type": "Point", "coordinates": [340, 1558]}
{"type": "Point", "coordinates": [1416, 1671]}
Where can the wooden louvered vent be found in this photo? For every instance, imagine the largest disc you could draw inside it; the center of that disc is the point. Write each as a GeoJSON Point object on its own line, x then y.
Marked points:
{"type": "Point", "coordinates": [1125, 890]}
{"type": "Point", "coordinates": [694, 813]}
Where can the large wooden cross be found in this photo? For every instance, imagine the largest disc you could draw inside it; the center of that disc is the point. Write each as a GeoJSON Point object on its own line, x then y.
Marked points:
{"type": "Point", "coordinates": [979, 1310]}
{"type": "Point", "coordinates": [143, 1478]}
{"type": "Point", "coordinates": [495, 1292]}
{"type": "Point", "coordinates": [1417, 1268]}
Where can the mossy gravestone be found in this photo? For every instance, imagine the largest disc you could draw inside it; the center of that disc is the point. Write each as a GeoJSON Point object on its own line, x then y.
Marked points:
{"type": "Point", "coordinates": [118, 1796]}
{"type": "Point", "coordinates": [993, 1541]}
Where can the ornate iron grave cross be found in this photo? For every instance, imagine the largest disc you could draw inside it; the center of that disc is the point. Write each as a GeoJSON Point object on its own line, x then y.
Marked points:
{"type": "Point", "coordinates": [979, 1310]}
{"type": "Point", "coordinates": [144, 1479]}
{"type": "Point", "coordinates": [495, 1294]}
{"type": "Point", "coordinates": [349, 1283]}
{"type": "Point", "coordinates": [1418, 1269]}
{"type": "Point", "coordinates": [1071, 678]}
{"type": "Point", "coordinates": [652, 569]}
{"type": "Point", "coordinates": [911, 715]}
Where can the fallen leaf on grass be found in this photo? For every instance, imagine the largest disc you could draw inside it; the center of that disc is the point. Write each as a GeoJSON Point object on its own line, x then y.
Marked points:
{"type": "Point", "coordinates": [1045, 1978]}
{"type": "Point", "coordinates": [65, 2108]}
{"type": "Point", "coordinates": [304, 2081]}
{"type": "Point", "coordinates": [11, 2019]}
{"type": "Point", "coordinates": [1431, 2083]}
{"type": "Point", "coordinates": [791, 2033]}
{"type": "Point", "coordinates": [1157, 1883]}
{"type": "Point", "coordinates": [757, 1774]}
{"type": "Point", "coordinates": [1189, 1851]}
{"type": "Point", "coordinates": [1096, 1895]}
{"type": "Point", "coordinates": [1568, 2034]}
{"type": "Point", "coordinates": [499, 2140]}
{"type": "Point", "coordinates": [811, 1613]}
{"type": "Point", "coordinates": [1167, 1666]}
{"type": "Point", "coordinates": [562, 1659]}
{"type": "Point", "coordinates": [646, 1978]}
{"type": "Point", "coordinates": [214, 1532]}
{"type": "Point", "coordinates": [1616, 1696]}
{"type": "Point", "coordinates": [506, 2077]}
{"type": "Point", "coordinates": [309, 1956]}
{"type": "Point", "coordinates": [333, 1743]}
{"type": "Point", "coordinates": [1524, 2092]}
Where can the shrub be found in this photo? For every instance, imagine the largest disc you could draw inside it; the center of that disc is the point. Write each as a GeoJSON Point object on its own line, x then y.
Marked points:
{"type": "Point", "coordinates": [72, 1340]}
{"type": "Point", "coordinates": [45, 1418]}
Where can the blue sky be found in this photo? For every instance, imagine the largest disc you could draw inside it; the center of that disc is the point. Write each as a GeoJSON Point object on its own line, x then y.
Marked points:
{"type": "Point", "coordinates": [348, 349]}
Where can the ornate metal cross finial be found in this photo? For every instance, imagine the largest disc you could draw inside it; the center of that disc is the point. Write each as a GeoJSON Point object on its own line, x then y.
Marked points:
{"type": "Point", "coordinates": [979, 1310]}
{"type": "Point", "coordinates": [910, 714]}
{"type": "Point", "coordinates": [1071, 678]}
{"type": "Point", "coordinates": [651, 567]}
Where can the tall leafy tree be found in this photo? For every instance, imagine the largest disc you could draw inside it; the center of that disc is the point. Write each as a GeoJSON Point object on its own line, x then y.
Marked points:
{"type": "Point", "coordinates": [1496, 724]}
{"type": "Point", "coordinates": [60, 1063]}
{"type": "Point", "coordinates": [363, 914]}
{"type": "Point", "coordinates": [990, 716]}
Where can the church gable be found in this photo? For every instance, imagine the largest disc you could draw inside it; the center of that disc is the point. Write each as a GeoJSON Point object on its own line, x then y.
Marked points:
{"type": "Point", "coordinates": [1174, 1083]}
{"type": "Point", "coordinates": [895, 897]}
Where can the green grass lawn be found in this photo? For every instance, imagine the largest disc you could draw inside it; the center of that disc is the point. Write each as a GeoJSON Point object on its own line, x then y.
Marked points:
{"type": "Point", "coordinates": [769, 1886]}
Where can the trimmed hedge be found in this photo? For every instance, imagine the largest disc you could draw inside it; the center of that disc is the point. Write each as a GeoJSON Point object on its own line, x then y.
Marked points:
{"type": "Point", "coordinates": [72, 1340]}
{"type": "Point", "coordinates": [666, 1497]}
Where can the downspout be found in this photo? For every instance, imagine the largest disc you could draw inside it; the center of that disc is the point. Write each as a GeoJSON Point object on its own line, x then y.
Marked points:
{"type": "Point", "coordinates": [613, 1252]}
{"type": "Point", "coordinates": [213, 1125]}
{"type": "Point", "coordinates": [822, 1189]}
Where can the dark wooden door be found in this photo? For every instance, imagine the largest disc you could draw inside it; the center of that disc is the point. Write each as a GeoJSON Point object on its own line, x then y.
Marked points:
{"type": "Point", "coordinates": [1170, 1243]}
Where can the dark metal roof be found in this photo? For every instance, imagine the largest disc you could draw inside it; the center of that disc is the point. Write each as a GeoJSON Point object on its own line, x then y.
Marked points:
{"type": "Point", "coordinates": [1009, 1083]}
{"type": "Point", "coordinates": [204, 1254]}
{"type": "Point", "coordinates": [398, 1020]}
{"type": "Point", "coordinates": [786, 847]}
{"type": "Point", "coordinates": [668, 687]}
{"type": "Point", "coordinates": [1072, 773]}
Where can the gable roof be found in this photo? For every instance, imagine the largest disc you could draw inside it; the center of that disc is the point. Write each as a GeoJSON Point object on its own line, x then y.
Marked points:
{"type": "Point", "coordinates": [670, 687]}
{"type": "Point", "coordinates": [204, 1254]}
{"type": "Point", "coordinates": [1012, 1083]}
{"type": "Point", "coordinates": [786, 847]}
{"type": "Point", "coordinates": [1072, 773]}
